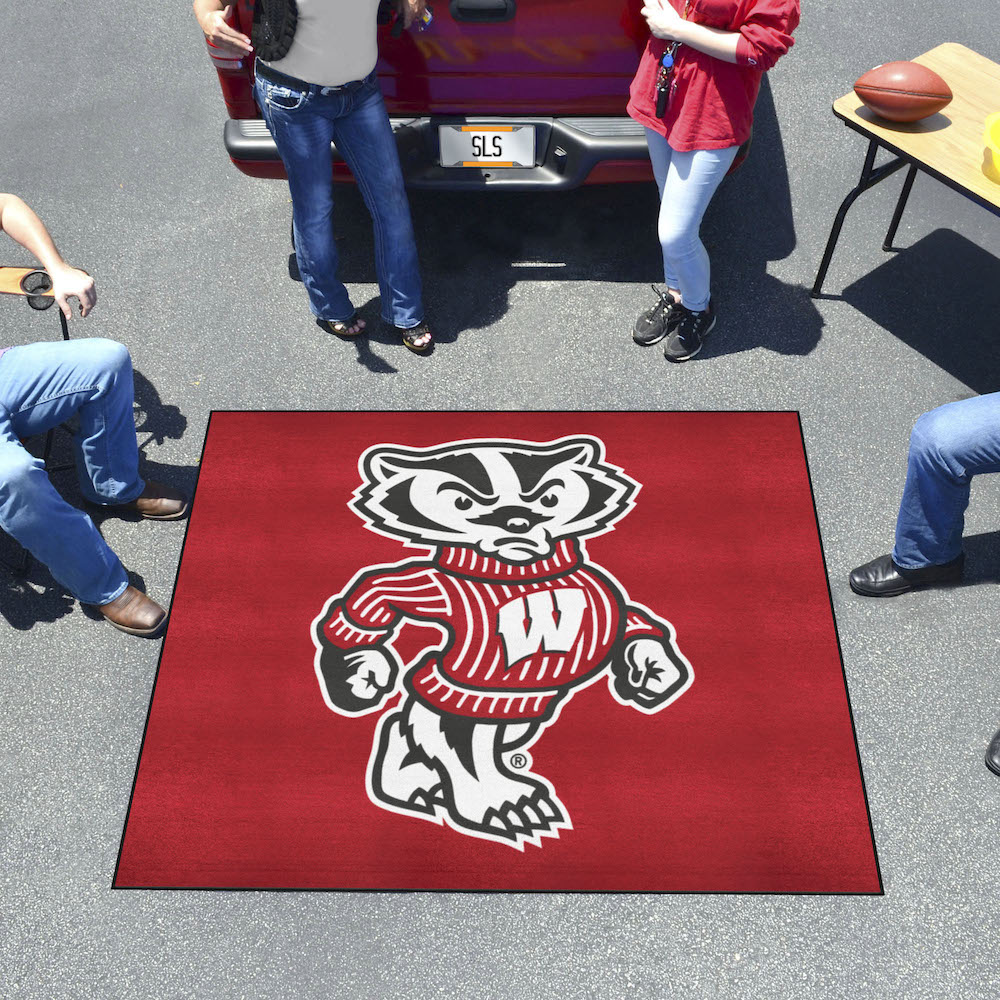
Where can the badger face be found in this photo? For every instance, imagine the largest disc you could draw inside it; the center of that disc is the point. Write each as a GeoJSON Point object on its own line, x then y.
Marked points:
{"type": "Point", "coordinates": [507, 499]}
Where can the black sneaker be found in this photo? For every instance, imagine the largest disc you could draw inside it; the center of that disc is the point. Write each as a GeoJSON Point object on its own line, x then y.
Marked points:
{"type": "Point", "coordinates": [654, 324]}
{"type": "Point", "coordinates": [688, 338]}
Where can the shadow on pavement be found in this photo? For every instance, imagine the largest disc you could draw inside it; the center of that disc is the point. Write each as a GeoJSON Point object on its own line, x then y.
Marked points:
{"type": "Point", "coordinates": [26, 601]}
{"type": "Point", "coordinates": [942, 297]}
{"type": "Point", "coordinates": [474, 247]}
{"type": "Point", "coordinates": [23, 605]}
{"type": "Point", "coordinates": [749, 224]}
{"type": "Point", "coordinates": [375, 330]}
{"type": "Point", "coordinates": [982, 558]}
{"type": "Point", "coordinates": [153, 417]}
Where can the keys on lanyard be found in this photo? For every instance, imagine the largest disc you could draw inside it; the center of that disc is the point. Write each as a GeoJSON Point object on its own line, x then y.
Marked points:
{"type": "Point", "coordinates": [666, 70]}
{"type": "Point", "coordinates": [663, 79]}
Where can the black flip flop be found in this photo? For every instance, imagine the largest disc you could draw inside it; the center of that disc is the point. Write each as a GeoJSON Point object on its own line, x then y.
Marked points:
{"type": "Point", "coordinates": [410, 334]}
{"type": "Point", "coordinates": [341, 327]}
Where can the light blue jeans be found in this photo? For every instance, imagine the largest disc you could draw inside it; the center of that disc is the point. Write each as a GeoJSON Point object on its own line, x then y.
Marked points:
{"type": "Point", "coordinates": [687, 182]}
{"type": "Point", "coordinates": [41, 386]}
{"type": "Point", "coordinates": [948, 447]}
{"type": "Point", "coordinates": [303, 122]}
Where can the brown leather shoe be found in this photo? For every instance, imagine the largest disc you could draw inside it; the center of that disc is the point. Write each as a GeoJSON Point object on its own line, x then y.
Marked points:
{"type": "Point", "coordinates": [135, 613]}
{"type": "Point", "coordinates": [158, 502]}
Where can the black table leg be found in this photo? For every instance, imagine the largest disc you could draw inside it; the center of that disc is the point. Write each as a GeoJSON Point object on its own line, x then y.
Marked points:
{"type": "Point", "coordinates": [900, 205]}
{"type": "Point", "coordinates": [870, 176]}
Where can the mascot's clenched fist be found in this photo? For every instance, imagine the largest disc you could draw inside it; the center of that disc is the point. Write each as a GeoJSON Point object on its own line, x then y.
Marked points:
{"type": "Point", "coordinates": [358, 680]}
{"type": "Point", "coordinates": [647, 673]}
{"type": "Point", "coordinates": [489, 635]}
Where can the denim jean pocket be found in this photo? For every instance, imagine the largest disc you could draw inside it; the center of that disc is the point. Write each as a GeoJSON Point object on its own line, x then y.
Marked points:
{"type": "Point", "coordinates": [284, 98]}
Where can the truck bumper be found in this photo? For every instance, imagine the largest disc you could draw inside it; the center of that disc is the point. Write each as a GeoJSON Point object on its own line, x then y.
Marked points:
{"type": "Point", "coordinates": [568, 152]}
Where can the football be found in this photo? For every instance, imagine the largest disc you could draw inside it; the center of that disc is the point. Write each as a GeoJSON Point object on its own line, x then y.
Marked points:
{"type": "Point", "coordinates": [903, 91]}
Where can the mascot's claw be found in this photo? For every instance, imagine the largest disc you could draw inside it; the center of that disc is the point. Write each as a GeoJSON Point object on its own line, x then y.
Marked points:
{"type": "Point", "coordinates": [547, 809]}
{"type": "Point", "coordinates": [427, 800]}
{"type": "Point", "coordinates": [533, 817]}
{"type": "Point", "coordinates": [524, 818]}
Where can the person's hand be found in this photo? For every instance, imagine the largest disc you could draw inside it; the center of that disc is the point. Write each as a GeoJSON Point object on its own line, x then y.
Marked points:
{"type": "Point", "coordinates": [72, 283]}
{"type": "Point", "coordinates": [222, 35]}
{"type": "Point", "coordinates": [664, 22]}
{"type": "Point", "coordinates": [410, 10]}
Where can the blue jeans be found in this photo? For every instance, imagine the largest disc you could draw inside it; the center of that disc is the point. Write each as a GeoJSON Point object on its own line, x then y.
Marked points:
{"type": "Point", "coordinates": [687, 182]}
{"type": "Point", "coordinates": [42, 385]}
{"type": "Point", "coordinates": [948, 447]}
{"type": "Point", "coordinates": [304, 121]}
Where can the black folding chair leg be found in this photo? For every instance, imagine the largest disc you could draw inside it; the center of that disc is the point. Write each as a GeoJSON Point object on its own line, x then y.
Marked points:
{"type": "Point", "coordinates": [49, 437]}
{"type": "Point", "coordinates": [21, 564]}
{"type": "Point", "coordinates": [47, 450]}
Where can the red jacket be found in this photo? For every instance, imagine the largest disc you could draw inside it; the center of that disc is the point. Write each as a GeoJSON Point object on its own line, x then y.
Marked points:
{"type": "Point", "coordinates": [711, 101]}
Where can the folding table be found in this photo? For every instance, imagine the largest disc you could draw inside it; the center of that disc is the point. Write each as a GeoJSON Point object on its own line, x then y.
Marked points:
{"type": "Point", "coordinates": [948, 145]}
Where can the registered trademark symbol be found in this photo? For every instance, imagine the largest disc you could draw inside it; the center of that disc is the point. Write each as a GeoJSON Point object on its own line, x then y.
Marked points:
{"type": "Point", "coordinates": [518, 761]}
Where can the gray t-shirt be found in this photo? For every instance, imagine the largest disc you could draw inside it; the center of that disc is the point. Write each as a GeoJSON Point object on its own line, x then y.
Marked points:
{"type": "Point", "coordinates": [334, 42]}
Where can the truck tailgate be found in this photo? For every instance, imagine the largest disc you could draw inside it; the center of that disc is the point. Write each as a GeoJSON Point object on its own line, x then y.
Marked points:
{"type": "Point", "coordinates": [552, 57]}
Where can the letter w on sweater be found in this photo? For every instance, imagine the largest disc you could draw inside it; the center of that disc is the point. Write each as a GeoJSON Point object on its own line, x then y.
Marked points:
{"type": "Point", "coordinates": [543, 621]}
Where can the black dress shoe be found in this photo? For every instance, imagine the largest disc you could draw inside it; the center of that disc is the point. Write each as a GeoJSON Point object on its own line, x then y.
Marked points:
{"type": "Point", "coordinates": [993, 753]}
{"type": "Point", "coordinates": [883, 578]}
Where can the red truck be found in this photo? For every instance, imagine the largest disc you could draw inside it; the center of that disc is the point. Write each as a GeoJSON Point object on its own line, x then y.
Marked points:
{"type": "Point", "coordinates": [517, 94]}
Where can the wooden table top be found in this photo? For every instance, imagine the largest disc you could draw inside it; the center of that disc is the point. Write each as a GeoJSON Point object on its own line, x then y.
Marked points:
{"type": "Point", "coordinates": [10, 280]}
{"type": "Point", "coordinates": [949, 143]}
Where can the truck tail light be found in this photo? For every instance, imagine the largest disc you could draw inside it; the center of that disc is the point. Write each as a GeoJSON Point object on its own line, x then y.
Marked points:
{"type": "Point", "coordinates": [223, 60]}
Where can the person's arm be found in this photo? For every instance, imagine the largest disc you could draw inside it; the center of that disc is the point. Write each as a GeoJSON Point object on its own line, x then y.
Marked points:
{"type": "Point", "coordinates": [211, 15]}
{"type": "Point", "coordinates": [21, 224]}
{"type": "Point", "coordinates": [664, 22]}
{"type": "Point", "coordinates": [761, 41]}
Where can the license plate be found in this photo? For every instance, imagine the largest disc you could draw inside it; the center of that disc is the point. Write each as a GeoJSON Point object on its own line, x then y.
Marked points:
{"type": "Point", "coordinates": [487, 145]}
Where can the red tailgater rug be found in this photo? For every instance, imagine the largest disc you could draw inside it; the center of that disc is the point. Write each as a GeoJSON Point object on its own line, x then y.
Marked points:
{"type": "Point", "coordinates": [501, 651]}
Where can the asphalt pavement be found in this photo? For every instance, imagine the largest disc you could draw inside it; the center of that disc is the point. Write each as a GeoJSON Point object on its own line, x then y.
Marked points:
{"type": "Point", "coordinates": [111, 129]}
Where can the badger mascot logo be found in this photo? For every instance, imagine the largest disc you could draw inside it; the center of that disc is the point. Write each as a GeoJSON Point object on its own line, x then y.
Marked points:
{"type": "Point", "coordinates": [490, 633]}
